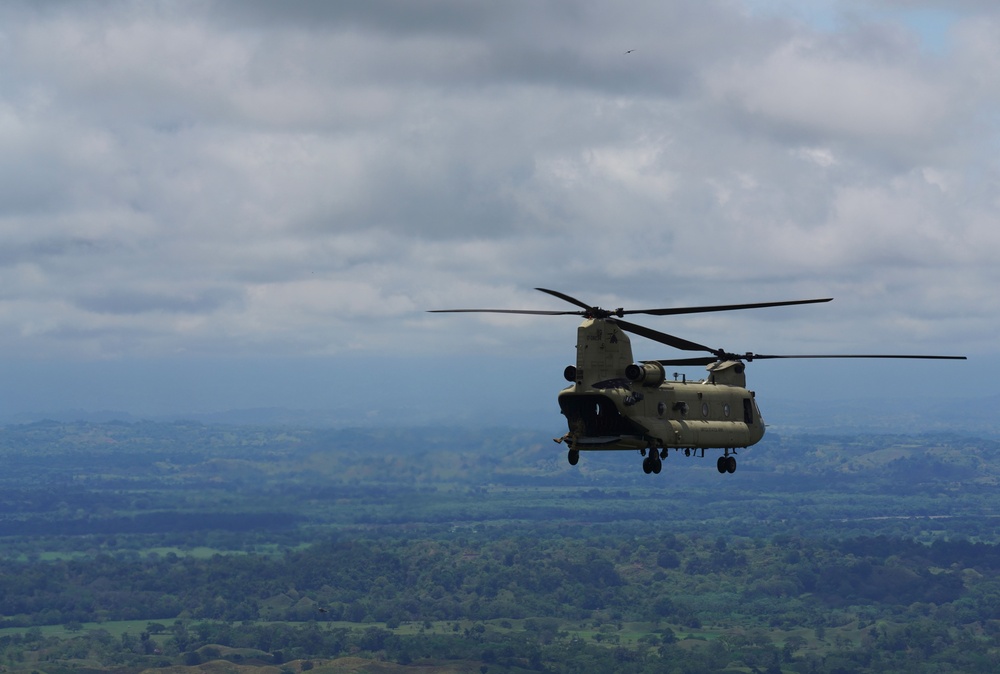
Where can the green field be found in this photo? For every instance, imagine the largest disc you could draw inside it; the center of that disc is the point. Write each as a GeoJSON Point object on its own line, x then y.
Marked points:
{"type": "Point", "coordinates": [128, 547]}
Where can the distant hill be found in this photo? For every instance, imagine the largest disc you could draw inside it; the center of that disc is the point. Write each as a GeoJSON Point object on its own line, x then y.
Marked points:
{"type": "Point", "coordinates": [895, 412]}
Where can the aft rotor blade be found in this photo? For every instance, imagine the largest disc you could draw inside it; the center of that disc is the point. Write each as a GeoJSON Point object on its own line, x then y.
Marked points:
{"type": "Point", "coordinates": [662, 337]}
{"type": "Point", "coordinates": [675, 362]}
{"type": "Point", "coordinates": [723, 307]}
{"type": "Point", "coordinates": [757, 356]}
{"type": "Point", "coordinates": [708, 360]}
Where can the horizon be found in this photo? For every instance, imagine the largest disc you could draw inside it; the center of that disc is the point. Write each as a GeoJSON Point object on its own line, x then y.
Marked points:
{"type": "Point", "coordinates": [921, 396]}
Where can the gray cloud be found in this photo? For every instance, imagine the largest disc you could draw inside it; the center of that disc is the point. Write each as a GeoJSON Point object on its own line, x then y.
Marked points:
{"type": "Point", "coordinates": [277, 178]}
{"type": "Point", "coordinates": [128, 302]}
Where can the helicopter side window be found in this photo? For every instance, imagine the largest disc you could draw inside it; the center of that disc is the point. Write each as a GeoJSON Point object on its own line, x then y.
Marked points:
{"type": "Point", "coordinates": [748, 411]}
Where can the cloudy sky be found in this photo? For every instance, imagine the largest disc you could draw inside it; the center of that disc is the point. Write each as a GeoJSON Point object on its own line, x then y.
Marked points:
{"type": "Point", "coordinates": [208, 205]}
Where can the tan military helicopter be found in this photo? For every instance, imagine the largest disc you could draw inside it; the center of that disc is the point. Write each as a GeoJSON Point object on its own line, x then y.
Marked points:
{"type": "Point", "coordinates": [615, 403]}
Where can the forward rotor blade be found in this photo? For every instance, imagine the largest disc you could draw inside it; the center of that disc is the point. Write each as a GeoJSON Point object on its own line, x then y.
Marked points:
{"type": "Point", "coordinates": [592, 312]}
{"type": "Point", "coordinates": [565, 297]}
{"type": "Point", "coordinates": [723, 307]}
{"type": "Point", "coordinates": [572, 300]}
{"type": "Point", "coordinates": [662, 337]}
{"type": "Point", "coordinates": [505, 311]}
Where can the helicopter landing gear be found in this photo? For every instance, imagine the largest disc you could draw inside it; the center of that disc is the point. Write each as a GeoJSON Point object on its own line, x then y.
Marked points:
{"type": "Point", "coordinates": [726, 464]}
{"type": "Point", "coordinates": [573, 456]}
{"type": "Point", "coordinates": [652, 463]}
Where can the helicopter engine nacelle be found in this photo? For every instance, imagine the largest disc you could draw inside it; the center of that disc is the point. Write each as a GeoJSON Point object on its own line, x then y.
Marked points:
{"type": "Point", "coordinates": [647, 374]}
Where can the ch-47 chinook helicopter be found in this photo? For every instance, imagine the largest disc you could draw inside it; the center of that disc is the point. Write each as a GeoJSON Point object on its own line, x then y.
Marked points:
{"type": "Point", "coordinates": [615, 403]}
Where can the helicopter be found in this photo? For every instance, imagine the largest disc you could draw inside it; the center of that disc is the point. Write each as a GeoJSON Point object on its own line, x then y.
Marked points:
{"type": "Point", "coordinates": [615, 403]}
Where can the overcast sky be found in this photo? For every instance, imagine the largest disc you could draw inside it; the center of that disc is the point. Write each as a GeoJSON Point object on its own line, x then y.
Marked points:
{"type": "Point", "coordinates": [195, 189]}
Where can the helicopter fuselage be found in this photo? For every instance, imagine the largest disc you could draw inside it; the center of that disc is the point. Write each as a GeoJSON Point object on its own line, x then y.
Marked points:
{"type": "Point", "coordinates": [676, 414]}
{"type": "Point", "coordinates": [614, 403]}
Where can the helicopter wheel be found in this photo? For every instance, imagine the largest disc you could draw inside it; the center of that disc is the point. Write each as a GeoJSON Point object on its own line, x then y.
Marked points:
{"type": "Point", "coordinates": [573, 456]}
{"type": "Point", "coordinates": [730, 464]}
{"type": "Point", "coordinates": [723, 464]}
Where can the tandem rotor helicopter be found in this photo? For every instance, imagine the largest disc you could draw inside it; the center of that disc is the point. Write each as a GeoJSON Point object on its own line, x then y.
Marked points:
{"type": "Point", "coordinates": [616, 403]}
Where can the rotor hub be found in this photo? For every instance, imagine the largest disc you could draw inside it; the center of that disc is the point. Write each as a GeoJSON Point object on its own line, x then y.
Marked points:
{"type": "Point", "coordinates": [599, 313]}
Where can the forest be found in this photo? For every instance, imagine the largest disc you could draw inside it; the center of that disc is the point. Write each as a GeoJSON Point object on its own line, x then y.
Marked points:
{"type": "Point", "coordinates": [135, 546]}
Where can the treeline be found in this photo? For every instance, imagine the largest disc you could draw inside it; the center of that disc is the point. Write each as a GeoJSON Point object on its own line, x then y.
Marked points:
{"type": "Point", "coordinates": [148, 523]}
{"type": "Point", "coordinates": [516, 573]}
{"type": "Point", "coordinates": [535, 600]}
{"type": "Point", "coordinates": [920, 646]}
{"type": "Point", "coordinates": [303, 648]}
